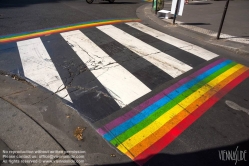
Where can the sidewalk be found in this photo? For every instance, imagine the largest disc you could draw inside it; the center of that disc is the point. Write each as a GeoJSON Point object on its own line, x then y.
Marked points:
{"type": "Point", "coordinates": [204, 17]}
{"type": "Point", "coordinates": [33, 119]}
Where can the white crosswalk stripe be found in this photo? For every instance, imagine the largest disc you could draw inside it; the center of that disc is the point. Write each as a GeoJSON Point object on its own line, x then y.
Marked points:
{"type": "Point", "coordinates": [188, 47]}
{"type": "Point", "coordinates": [162, 60]}
{"type": "Point", "coordinates": [38, 67]}
{"type": "Point", "coordinates": [120, 83]}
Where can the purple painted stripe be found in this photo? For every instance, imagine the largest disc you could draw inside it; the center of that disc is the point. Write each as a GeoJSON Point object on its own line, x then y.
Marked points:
{"type": "Point", "coordinates": [153, 99]}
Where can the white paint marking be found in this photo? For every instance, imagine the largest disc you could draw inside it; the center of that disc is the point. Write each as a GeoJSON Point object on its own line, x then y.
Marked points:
{"type": "Point", "coordinates": [38, 67]}
{"type": "Point", "coordinates": [236, 106]}
{"type": "Point", "coordinates": [163, 61]}
{"type": "Point", "coordinates": [188, 47]}
{"type": "Point", "coordinates": [120, 83]}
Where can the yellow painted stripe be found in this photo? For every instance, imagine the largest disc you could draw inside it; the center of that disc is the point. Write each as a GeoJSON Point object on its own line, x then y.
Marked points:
{"type": "Point", "coordinates": [147, 131]}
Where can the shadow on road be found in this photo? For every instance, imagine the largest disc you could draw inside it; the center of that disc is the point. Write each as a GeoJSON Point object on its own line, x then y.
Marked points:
{"type": "Point", "coordinates": [199, 3]}
{"type": "Point", "coordinates": [195, 24]}
{"type": "Point", "coordinates": [204, 157]}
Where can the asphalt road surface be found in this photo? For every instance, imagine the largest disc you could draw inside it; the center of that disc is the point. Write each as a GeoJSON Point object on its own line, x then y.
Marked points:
{"type": "Point", "coordinates": [28, 15]}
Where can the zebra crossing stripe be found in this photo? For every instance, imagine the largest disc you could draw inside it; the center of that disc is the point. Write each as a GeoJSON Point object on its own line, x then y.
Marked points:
{"type": "Point", "coordinates": [188, 47]}
{"type": "Point", "coordinates": [38, 67]}
{"type": "Point", "coordinates": [120, 83]}
{"type": "Point", "coordinates": [163, 61]}
{"type": "Point", "coordinates": [86, 92]}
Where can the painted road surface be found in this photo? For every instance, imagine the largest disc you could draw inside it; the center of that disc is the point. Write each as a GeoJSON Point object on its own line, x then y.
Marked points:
{"type": "Point", "coordinates": [140, 88]}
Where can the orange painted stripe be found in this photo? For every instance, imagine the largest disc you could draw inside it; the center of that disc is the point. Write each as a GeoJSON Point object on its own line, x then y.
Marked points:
{"type": "Point", "coordinates": [149, 141]}
{"type": "Point", "coordinates": [185, 123]}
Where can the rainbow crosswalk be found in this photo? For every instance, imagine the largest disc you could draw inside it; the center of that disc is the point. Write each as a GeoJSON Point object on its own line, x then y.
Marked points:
{"type": "Point", "coordinates": [152, 125]}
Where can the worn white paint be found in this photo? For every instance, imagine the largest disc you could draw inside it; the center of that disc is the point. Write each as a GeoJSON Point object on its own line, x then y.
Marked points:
{"type": "Point", "coordinates": [188, 47]}
{"type": "Point", "coordinates": [236, 107]}
{"type": "Point", "coordinates": [163, 61]}
{"type": "Point", "coordinates": [38, 67]}
{"type": "Point", "coordinates": [120, 83]}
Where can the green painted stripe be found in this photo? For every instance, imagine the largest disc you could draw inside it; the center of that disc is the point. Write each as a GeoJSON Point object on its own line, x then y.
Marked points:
{"type": "Point", "coordinates": [136, 128]}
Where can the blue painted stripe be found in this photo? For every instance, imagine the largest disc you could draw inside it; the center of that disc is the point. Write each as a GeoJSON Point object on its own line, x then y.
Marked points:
{"type": "Point", "coordinates": [152, 108]}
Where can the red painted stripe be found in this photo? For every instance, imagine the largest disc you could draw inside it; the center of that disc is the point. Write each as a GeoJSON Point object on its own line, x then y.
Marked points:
{"type": "Point", "coordinates": [184, 124]}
